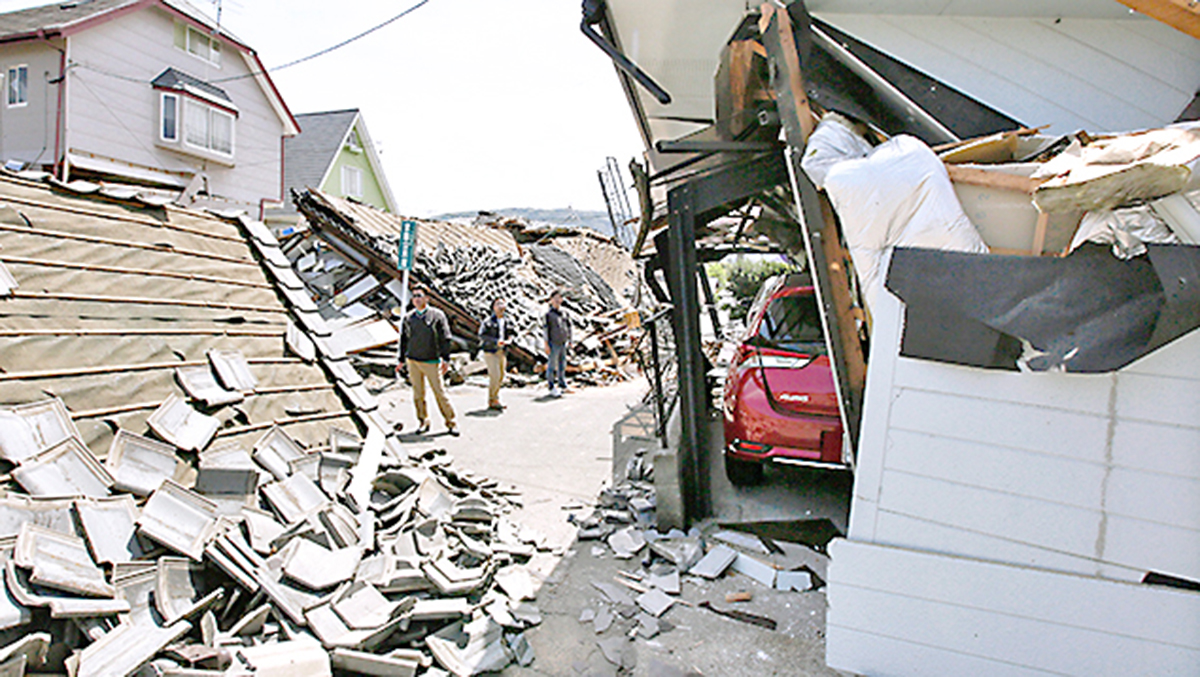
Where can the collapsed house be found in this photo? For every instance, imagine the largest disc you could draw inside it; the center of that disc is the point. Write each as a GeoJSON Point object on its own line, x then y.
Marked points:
{"type": "Point", "coordinates": [196, 479]}
{"type": "Point", "coordinates": [1022, 419]}
{"type": "Point", "coordinates": [347, 257]}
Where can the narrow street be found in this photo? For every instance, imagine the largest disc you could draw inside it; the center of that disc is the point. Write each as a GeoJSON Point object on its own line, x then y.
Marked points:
{"type": "Point", "coordinates": [559, 454]}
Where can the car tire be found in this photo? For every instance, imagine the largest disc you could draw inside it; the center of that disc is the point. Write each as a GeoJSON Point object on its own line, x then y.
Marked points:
{"type": "Point", "coordinates": [743, 473]}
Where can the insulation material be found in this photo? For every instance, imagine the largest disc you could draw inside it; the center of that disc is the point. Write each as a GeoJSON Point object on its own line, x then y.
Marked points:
{"type": "Point", "coordinates": [1115, 171]}
{"type": "Point", "coordinates": [898, 196]}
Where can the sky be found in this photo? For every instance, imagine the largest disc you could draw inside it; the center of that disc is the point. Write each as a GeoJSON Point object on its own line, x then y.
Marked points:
{"type": "Point", "coordinates": [472, 104]}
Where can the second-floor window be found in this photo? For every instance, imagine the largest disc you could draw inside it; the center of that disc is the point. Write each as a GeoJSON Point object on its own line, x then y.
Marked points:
{"type": "Point", "coordinates": [352, 184]}
{"type": "Point", "coordinates": [207, 128]}
{"type": "Point", "coordinates": [170, 117]}
{"type": "Point", "coordinates": [18, 85]}
{"type": "Point", "coordinates": [203, 46]}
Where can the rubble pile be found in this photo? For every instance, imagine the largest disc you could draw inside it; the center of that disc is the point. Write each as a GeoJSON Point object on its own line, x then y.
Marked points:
{"type": "Point", "coordinates": [178, 556]}
{"type": "Point", "coordinates": [677, 569]}
{"type": "Point", "coordinates": [465, 266]}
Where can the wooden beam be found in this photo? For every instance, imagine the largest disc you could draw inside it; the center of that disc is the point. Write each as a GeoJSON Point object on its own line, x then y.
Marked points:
{"type": "Point", "coordinates": [787, 40]}
{"type": "Point", "coordinates": [1182, 15]}
{"type": "Point", "coordinates": [987, 178]}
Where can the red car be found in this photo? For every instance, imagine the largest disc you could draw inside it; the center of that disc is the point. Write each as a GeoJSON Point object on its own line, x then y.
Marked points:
{"type": "Point", "coordinates": [780, 403]}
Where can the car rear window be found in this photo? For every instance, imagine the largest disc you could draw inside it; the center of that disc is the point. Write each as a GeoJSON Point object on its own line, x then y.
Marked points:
{"type": "Point", "coordinates": [791, 322]}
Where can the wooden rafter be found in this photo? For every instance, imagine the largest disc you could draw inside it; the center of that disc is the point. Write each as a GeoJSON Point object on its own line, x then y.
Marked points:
{"type": "Point", "coordinates": [1182, 15]}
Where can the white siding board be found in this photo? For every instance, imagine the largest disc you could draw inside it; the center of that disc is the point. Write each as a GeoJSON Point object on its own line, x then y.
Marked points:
{"type": "Point", "coordinates": [1159, 399]}
{"type": "Point", "coordinates": [1083, 393]}
{"type": "Point", "coordinates": [910, 532]}
{"type": "Point", "coordinates": [1178, 359]}
{"type": "Point", "coordinates": [983, 57]}
{"type": "Point", "coordinates": [1157, 448]}
{"type": "Point", "coordinates": [1163, 499]}
{"type": "Point", "coordinates": [1153, 547]}
{"type": "Point", "coordinates": [1010, 425]}
{"type": "Point", "coordinates": [868, 653]}
{"type": "Point", "coordinates": [1035, 522]}
{"type": "Point", "coordinates": [1156, 50]}
{"type": "Point", "coordinates": [1062, 623]}
{"type": "Point", "coordinates": [1014, 471]}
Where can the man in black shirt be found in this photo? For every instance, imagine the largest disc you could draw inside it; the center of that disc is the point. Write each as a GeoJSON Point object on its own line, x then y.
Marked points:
{"type": "Point", "coordinates": [425, 350]}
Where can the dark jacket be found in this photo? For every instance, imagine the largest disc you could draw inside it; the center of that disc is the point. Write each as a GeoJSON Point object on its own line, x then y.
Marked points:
{"type": "Point", "coordinates": [425, 337]}
{"type": "Point", "coordinates": [558, 327]}
{"type": "Point", "coordinates": [493, 330]}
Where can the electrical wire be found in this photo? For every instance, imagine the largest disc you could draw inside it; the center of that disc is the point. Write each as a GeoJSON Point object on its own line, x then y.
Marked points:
{"type": "Point", "coordinates": [327, 50]}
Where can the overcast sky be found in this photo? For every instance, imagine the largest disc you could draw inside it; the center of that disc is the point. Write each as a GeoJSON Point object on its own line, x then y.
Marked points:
{"type": "Point", "coordinates": [473, 104]}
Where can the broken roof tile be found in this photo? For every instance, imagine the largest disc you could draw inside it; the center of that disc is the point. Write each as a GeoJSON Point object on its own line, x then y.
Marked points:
{"type": "Point", "coordinates": [316, 567]}
{"type": "Point", "coordinates": [66, 469]}
{"type": "Point", "coordinates": [714, 563]}
{"type": "Point", "coordinates": [295, 497]}
{"type": "Point", "coordinates": [62, 605]}
{"type": "Point", "coordinates": [139, 464]}
{"type": "Point", "coordinates": [126, 648]}
{"type": "Point", "coordinates": [180, 590]}
{"type": "Point", "coordinates": [110, 526]}
{"type": "Point", "coordinates": [275, 449]}
{"type": "Point", "coordinates": [232, 369]}
{"type": "Point", "coordinates": [28, 429]}
{"type": "Point", "coordinates": [200, 383]}
{"type": "Point", "coordinates": [179, 519]}
{"type": "Point", "coordinates": [178, 423]}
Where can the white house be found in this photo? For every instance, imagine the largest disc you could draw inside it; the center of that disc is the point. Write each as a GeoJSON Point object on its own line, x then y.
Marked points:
{"type": "Point", "coordinates": [142, 91]}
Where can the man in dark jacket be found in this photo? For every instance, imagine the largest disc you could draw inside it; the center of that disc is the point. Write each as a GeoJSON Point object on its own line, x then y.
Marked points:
{"type": "Point", "coordinates": [495, 333]}
{"type": "Point", "coordinates": [558, 338]}
{"type": "Point", "coordinates": [425, 350]}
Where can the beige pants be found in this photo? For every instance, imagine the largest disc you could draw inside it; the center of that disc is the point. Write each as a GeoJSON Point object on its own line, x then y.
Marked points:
{"type": "Point", "coordinates": [496, 364]}
{"type": "Point", "coordinates": [418, 373]}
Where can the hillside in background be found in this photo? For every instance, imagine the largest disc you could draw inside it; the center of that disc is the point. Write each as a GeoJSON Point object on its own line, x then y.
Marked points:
{"type": "Point", "coordinates": [597, 221]}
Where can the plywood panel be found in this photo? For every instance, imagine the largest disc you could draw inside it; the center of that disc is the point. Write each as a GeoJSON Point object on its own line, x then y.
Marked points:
{"type": "Point", "coordinates": [1012, 616]}
{"type": "Point", "coordinates": [1036, 428]}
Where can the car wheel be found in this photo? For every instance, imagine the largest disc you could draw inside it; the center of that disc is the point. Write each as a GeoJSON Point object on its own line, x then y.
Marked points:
{"type": "Point", "coordinates": [743, 473]}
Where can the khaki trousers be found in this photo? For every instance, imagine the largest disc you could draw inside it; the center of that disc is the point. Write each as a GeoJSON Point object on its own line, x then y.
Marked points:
{"type": "Point", "coordinates": [496, 364]}
{"type": "Point", "coordinates": [418, 373]}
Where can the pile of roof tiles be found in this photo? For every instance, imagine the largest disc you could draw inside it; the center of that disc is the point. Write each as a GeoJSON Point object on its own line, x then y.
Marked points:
{"type": "Point", "coordinates": [274, 559]}
{"type": "Point", "coordinates": [196, 481]}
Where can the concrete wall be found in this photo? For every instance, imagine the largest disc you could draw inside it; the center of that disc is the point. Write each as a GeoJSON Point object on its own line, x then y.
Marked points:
{"type": "Point", "coordinates": [27, 131]}
{"type": "Point", "coordinates": [1093, 475]}
{"type": "Point", "coordinates": [114, 112]}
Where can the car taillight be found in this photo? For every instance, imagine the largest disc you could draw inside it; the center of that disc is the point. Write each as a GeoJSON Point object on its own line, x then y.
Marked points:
{"type": "Point", "coordinates": [751, 447]}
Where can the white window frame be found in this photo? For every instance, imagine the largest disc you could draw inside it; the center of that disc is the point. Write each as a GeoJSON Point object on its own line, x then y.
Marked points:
{"type": "Point", "coordinates": [207, 49]}
{"type": "Point", "coordinates": [352, 181]}
{"type": "Point", "coordinates": [209, 114]}
{"type": "Point", "coordinates": [169, 102]}
{"type": "Point", "coordinates": [13, 76]}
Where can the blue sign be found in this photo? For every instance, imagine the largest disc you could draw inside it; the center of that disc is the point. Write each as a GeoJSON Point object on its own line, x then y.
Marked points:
{"type": "Point", "coordinates": [408, 244]}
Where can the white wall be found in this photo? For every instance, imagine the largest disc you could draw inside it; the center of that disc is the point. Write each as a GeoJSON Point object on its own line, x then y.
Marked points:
{"type": "Point", "coordinates": [27, 132]}
{"type": "Point", "coordinates": [114, 110]}
{"type": "Point", "coordinates": [1069, 72]}
{"type": "Point", "coordinates": [1095, 478]}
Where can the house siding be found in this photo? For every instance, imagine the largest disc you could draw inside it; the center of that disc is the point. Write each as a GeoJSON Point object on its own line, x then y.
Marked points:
{"type": "Point", "coordinates": [372, 193]}
{"type": "Point", "coordinates": [989, 481]}
{"type": "Point", "coordinates": [114, 111]}
{"type": "Point", "coordinates": [27, 132]}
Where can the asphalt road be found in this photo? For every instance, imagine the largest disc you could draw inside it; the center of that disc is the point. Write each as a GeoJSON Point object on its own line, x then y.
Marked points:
{"type": "Point", "coordinates": [559, 454]}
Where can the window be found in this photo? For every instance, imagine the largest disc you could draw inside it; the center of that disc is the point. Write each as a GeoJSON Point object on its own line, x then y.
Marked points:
{"type": "Point", "coordinates": [198, 43]}
{"type": "Point", "coordinates": [170, 117]}
{"type": "Point", "coordinates": [793, 322]}
{"type": "Point", "coordinates": [207, 128]}
{"type": "Point", "coordinates": [352, 182]}
{"type": "Point", "coordinates": [18, 85]}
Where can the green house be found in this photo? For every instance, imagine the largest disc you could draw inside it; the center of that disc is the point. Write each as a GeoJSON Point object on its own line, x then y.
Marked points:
{"type": "Point", "coordinates": [333, 152]}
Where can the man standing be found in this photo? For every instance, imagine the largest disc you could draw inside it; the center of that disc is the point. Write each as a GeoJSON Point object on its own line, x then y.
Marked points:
{"type": "Point", "coordinates": [495, 334]}
{"type": "Point", "coordinates": [425, 350]}
{"type": "Point", "coordinates": [558, 338]}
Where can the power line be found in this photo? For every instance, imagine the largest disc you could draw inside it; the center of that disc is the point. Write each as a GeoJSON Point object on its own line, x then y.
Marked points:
{"type": "Point", "coordinates": [327, 50]}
